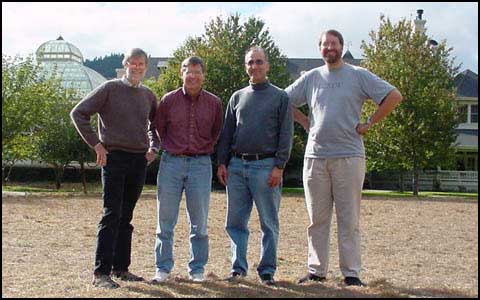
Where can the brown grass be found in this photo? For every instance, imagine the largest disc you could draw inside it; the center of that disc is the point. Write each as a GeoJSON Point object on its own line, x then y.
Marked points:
{"type": "Point", "coordinates": [411, 248]}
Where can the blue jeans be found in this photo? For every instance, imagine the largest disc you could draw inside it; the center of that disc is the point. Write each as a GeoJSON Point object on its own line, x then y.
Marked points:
{"type": "Point", "coordinates": [248, 183]}
{"type": "Point", "coordinates": [176, 174]}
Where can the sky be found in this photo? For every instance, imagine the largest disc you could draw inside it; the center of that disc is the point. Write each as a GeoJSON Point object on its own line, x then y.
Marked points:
{"type": "Point", "coordinates": [99, 28]}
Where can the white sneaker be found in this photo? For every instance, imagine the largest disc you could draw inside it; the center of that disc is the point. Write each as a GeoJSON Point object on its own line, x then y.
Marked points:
{"type": "Point", "coordinates": [197, 277]}
{"type": "Point", "coordinates": [160, 277]}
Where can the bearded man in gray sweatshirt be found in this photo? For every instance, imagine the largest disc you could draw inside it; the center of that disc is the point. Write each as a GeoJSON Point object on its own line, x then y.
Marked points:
{"type": "Point", "coordinates": [126, 144]}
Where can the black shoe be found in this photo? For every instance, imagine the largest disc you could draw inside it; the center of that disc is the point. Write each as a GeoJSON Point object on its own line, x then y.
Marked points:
{"type": "Point", "coordinates": [126, 276]}
{"type": "Point", "coordinates": [235, 276]}
{"type": "Point", "coordinates": [104, 281]}
{"type": "Point", "coordinates": [311, 277]}
{"type": "Point", "coordinates": [267, 279]}
{"type": "Point", "coordinates": [355, 281]}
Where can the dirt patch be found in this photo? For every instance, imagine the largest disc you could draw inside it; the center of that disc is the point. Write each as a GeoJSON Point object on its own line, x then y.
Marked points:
{"type": "Point", "coordinates": [410, 248]}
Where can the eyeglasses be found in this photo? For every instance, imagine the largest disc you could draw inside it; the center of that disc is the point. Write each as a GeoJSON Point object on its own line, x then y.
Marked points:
{"type": "Point", "coordinates": [257, 61]}
{"type": "Point", "coordinates": [194, 73]}
{"type": "Point", "coordinates": [139, 65]}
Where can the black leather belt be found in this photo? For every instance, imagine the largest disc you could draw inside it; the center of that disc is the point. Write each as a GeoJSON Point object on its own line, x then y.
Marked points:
{"type": "Point", "coordinates": [250, 157]}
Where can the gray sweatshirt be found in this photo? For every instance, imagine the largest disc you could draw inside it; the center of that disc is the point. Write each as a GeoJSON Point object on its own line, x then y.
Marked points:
{"type": "Point", "coordinates": [258, 120]}
{"type": "Point", "coordinates": [126, 117]}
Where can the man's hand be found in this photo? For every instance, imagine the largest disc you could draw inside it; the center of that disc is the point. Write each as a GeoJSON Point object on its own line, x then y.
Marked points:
{"type": "Point", "coordinates": [222, 174]}
{"type": "Point", "coordinates": [101, 154]}
{"type": "Point", "coordinates": [150, 156]}
{"type": "Point", "coordinates": [275, 177]}
{"type": "Point", "coordinates": [363, 128]}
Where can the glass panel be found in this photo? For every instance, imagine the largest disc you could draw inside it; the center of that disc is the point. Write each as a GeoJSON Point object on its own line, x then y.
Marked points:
{"type": "Point", "coordinates": [474, 113]}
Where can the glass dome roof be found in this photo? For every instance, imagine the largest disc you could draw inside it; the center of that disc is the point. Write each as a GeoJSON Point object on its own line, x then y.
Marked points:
{"type": "Point", "coordinates": [59, 49]}
{"type": "Point", "coordinates": [64, 59]}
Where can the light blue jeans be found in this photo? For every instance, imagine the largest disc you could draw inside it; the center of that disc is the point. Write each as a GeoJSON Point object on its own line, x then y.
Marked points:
{"type": "Point", "coordinates": [248, 183]}
{"type": "Point", "coordinates": [175, 175]}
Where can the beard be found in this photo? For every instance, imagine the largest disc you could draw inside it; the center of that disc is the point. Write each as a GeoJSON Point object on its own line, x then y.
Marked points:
{"type": "Point", "coordinates": [332, 56]}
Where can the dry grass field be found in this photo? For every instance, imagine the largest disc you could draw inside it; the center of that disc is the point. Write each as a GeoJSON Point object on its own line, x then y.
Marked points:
{"type": "Point", "coordinates": [411, 248]}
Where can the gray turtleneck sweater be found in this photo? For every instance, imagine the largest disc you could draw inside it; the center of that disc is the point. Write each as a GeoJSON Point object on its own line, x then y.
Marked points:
{"type": "Point", "coordinates": [258, 120]}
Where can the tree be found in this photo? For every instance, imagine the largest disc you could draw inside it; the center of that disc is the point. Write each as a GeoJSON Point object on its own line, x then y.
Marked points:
{"type": "Point", "coordinates": [58, 143]}
{"type": "Point", "coordinates": [222, 48]}
{"type": "Point", "coordinates": [26, 99]}
{"type": "Point", "coordinates": [106, 65]}
{"type": "Point", "coordinates": [420, 133]}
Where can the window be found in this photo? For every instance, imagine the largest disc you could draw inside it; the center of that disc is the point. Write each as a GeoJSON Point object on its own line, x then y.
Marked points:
{"type": "Point", "coordinates": [463, 114]}
{"type": "Point", "coordinates": [471, 163]}
{"type": "Point", "coordinates": [474, 113]}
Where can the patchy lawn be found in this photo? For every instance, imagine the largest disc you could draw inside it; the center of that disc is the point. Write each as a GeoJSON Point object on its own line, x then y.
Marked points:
{"type": "Point", "coordinates": [411, 247]}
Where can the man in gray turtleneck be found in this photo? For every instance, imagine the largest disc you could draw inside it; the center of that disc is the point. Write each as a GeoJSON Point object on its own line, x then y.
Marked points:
{"type": "Point", "coordinates": [253, 150]}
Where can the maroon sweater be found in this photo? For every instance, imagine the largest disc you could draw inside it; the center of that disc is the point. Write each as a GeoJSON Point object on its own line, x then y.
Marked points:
{"type": "Point", "coordinates": [126, 117]}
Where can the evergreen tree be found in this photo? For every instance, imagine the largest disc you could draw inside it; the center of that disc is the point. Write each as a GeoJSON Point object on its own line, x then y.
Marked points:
{"type": "Point", "coordinates": [106, 65]}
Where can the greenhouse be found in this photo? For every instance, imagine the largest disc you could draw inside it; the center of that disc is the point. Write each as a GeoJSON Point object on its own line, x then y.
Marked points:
{"type": "Point", "coordinates": [66, 60]}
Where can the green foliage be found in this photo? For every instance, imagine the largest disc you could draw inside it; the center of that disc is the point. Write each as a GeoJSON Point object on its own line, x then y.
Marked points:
{"type": "Point", "coordinates": [106, 65]}
{"type": "Point", "coordinates": [27, 98]}
{"type": "Point", "coordinates": [59, 144]}
{"type": "Point", "coordinates": [35, 117]}
{"type": "Point", "coordinates": [222, 48]}
{"type": "Point", "coordinates": [419, 134]}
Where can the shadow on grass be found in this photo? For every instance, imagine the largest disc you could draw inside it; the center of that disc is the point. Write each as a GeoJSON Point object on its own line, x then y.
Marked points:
{"type": "Point", "coordinates": [248, 288]}
{"type": "Point", "coordinates": [389, 290]}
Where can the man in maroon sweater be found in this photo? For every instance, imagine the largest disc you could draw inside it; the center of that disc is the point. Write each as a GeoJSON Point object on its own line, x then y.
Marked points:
{"type": "Point", "coordinates": [189, 121]}
{"type": "Point", "coordinates": [126, 144]}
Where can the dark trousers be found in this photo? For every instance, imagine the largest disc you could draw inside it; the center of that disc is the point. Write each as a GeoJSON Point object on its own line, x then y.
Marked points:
{"type": "Point", "coordinates": [122, 179]}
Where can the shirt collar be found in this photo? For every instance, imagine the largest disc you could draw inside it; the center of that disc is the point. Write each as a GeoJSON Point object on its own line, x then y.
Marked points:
{"type": "Point", "coordinates": [184, 91]}
{"type": "Point", "coordinates": [128, 83]}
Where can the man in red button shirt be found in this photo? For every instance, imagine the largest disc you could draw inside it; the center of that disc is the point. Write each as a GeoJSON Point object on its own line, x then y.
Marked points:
{"type": "Point", "coordinates": [189, 121]}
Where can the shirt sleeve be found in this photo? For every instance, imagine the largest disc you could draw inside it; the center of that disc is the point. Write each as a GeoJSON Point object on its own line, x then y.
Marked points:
{"type": "Point", "coordinates": [161, 118]}
{"type": "Point", "coordinates": [152, 132]}
{"type": "Point", "coordinates": [297, 91]}
{"type": "Point", "coordinates": [373, 86]}
{"type": "Point", "coordinates": [217, 125]}
{"type": "Point", "coordinates": [285, 134]}
{"type": "Point", "coordinates": [82, 112]}
{"type": "Point", "coordinates": [226, 137]}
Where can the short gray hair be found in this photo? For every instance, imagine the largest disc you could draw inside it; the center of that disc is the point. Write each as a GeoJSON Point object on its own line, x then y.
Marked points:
{"type": "Point", "coordinates": [134, 52]}
{"type": "Point", "coordinates": [192, 60]}
{"type": "Point", "coordinates": [257, 48]}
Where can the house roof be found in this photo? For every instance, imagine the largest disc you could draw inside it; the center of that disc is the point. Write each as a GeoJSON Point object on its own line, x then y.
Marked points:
{"type": "Point", "coordinates": [467, 84]}
{"type": "Point", "coordinates": [295, 66]}
{"type": "Point", "coordinates": [154, 64]}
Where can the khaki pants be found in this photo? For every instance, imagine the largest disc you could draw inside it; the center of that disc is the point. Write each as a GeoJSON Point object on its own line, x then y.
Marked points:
{"type": "Point", "coordinates": [328, 181]}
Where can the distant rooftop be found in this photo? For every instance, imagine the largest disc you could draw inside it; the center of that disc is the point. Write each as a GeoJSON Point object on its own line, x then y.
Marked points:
{"type": "Point", "coordinates": [467, 84]}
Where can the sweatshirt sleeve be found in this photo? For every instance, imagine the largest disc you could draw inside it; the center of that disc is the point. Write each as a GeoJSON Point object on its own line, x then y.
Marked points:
{"type": "Point", "coordinates": [82, 112]}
